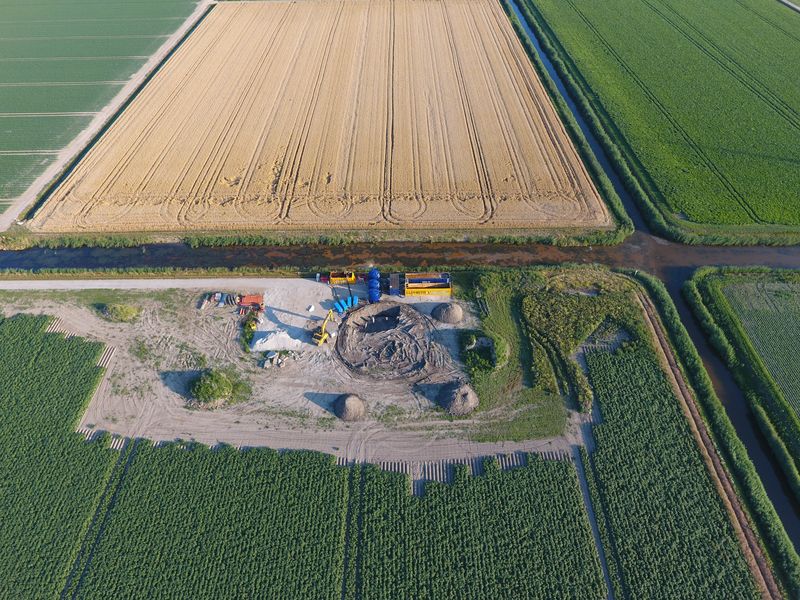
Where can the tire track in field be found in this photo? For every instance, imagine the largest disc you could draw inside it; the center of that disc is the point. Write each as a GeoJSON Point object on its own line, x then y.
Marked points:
{"type": "Point", "coordinates": [572, 163]}
{"type": "Point", "coordinates": [160, 112]}
{"type": "Point", "coordinates": [284, 85]}
{"type": "Point", "coordinates": [242, 100]}
{"type": "Point", "coordinates": [388, 151]}
{"type": "Point", "coordinates": [730, 66]}
{"type": "Point", "coordinates": [322, 70]}
{"type": "Point", "coordinates": [481, 171]}
{"type": "Point", "coordinates": [177, 132]}
{"type": "Point", "coordinates": [706, 160]}
{"type": "Point", "coordinates": [192, 156]}
{"type": "Point", "coordinates": [550, 123]}
{"type": "Point", "coordinates": [495, 95]}
{"type": "Point", "coordinates": [355, 88]}
{"type": "Point", "coordinates": [768, 21]}
{"type": "Point", "coordinates": [529, 91]}
{"type": "Point", "coordinates": [444, 140]}
{"type": "Point", "coordinates": [136, 109]}
{"type": "Point", "coordinates": [304, 107]}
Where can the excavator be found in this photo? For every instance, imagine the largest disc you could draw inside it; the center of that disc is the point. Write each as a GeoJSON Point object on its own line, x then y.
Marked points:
{"type": "Point", "coordinates": [321, 334]}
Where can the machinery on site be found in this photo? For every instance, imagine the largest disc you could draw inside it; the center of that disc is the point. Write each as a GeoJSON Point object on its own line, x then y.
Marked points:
{"type": "Point", "coordinates": [321, 334]}
{"type": "Point", "coordinates": [427, 284]}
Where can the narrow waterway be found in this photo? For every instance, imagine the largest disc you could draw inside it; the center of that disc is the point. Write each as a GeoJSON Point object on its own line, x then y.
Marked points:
{"type": "Point", "coordinates": [672, 263]}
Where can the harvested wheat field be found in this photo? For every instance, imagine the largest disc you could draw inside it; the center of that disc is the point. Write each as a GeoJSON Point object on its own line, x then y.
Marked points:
{"type": "Point", "coordinates": [356, 115]}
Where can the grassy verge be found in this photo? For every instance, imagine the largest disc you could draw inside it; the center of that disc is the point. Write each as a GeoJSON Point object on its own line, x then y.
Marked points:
{"type": "Point", "coordinates": [777, 419]}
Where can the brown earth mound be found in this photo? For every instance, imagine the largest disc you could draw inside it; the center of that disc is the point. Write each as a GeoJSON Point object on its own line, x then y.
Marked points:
{"type": "Point", "coordinates": [448, 312]}
{"type": "Point", "coordinates": [458, 399]}
{"type": "Point", "coordinates": [349, 407]}
{"type": "Point", "coordinates": [388, 340]}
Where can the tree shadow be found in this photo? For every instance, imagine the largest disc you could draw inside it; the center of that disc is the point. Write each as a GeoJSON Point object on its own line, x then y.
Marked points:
{"type": "Point", "coordinates": [180, 382]}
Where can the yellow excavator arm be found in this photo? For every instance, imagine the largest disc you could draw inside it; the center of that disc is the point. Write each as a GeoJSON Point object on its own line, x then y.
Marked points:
{"type": "Point", "coordinates": [321, 334]}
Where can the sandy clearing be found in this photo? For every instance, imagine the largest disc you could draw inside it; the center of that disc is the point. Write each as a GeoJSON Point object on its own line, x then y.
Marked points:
{"type": "Point", "coordinates": [336, 115]}
{"type": "Point", "coordinates": [142, 392]}
{"type": "Point", "coordinates": [67, 154]}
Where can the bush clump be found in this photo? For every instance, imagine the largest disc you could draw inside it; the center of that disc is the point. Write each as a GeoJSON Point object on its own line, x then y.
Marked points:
{"type": "Point", "coordinates": [212, 386]}
{"type": "Point", "coordinates": [120, 313]}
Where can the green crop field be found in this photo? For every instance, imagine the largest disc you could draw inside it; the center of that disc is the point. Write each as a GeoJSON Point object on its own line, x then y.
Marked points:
{"type": "Point", "coordinates": [753, 316]}
{"type": "Point", "coordinates": [60, 63]}
{"type": "Point", "coordinates": [50, 482]}
{"type": "Point", "coordinates": [698, 101]}
{"type": "Point", "coordinates": [183, 520]}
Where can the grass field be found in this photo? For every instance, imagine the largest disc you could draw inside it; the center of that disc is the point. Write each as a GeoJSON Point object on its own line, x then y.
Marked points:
{"type": "Point", "coordinates": [250, 126]}
{"type": "Point", "coordinates": [189, 521]}
{"type": "Point", "coordinates": [61, 63]}
{"type": "Point", "coordinates": [753, 317]}
{"type": "Point", "coordinates": [700, 99]}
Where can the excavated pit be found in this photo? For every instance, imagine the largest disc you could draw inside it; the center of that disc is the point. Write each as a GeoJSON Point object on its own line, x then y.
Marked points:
{"type": "Point", "coordinates": [388, 340]}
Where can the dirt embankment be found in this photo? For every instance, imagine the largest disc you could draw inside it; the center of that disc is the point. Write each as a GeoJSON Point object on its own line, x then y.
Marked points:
{"type": "Point", "coordinates": [338, 115]}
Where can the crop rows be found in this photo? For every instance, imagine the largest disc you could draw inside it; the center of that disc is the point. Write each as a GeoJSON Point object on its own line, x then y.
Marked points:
{"type": "Point", "coordinates": [705, 117]}
{"type": "Point", "coordinates": [184, 520]}
{"type": "Point", "coordinates": [49, 480]}
{"type": "Point", "coordinates": [770, 314]}
{"type": "Point", "coordinates": [751, 316]}
{"type": "Point", "coordinates": [669, 531]}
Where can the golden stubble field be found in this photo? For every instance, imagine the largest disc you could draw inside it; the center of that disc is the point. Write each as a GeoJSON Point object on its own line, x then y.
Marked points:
{"type": "Point", "coordinates": [336, 115]}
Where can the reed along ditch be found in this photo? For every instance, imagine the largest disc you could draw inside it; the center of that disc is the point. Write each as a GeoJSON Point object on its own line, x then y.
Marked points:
{"type": "Point", "coordinates": [671, 262]}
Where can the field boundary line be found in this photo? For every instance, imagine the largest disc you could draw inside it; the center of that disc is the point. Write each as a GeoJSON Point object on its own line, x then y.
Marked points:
{"type": "Point", "coordinates": [791, 5]}
{"type": "Point", "coordinates": [592, 518]}
{"type": "Point", "coordinates": [102, 118]}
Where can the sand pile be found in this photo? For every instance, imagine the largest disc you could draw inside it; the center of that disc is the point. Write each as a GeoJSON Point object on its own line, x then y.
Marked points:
{"type": "Point", "coordinates": [458, 399]}
{"type": "Point", "coordinates": [388, 340]}
{"type": "Point", "coordinates": [349, 407]}
{"type": "Point", "coordinates": [448, 312]}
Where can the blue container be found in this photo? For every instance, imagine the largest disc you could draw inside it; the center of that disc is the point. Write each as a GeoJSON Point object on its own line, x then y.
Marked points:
{"type": "Point", "coordinates": [374, 274]}
{"type": "Point", "coordinates": [355, 300]}
{"type": "Point", "coordinates": [374, 284]}
{"type": "Point", "coordinates": [374, 295]}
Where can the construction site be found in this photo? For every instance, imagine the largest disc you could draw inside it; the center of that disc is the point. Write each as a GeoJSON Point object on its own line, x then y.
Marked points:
{"type": "Point", "coordinates": [327, 368]}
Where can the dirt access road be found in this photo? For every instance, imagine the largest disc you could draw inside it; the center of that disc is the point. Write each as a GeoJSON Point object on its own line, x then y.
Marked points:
{"type": "Point", "coordinates": [369, 114]}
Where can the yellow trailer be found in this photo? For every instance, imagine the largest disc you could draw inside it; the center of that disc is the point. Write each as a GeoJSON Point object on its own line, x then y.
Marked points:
{"type": "Point", "coordinates": [428, 284]}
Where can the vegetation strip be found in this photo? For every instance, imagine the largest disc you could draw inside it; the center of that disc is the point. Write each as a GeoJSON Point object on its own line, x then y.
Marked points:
{"type": "Point", "coordinates": [730, 303]}
{"type": "Point", "coordinates": [758, 565]}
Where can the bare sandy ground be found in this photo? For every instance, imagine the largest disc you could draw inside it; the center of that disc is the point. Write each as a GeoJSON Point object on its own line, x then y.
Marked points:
{"type": "Point", "coordinates": [366, 114]}
{"type": "Point", "coordinates": [69, 152]}
{"type": "Point", "coordinates": [144, 391]}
